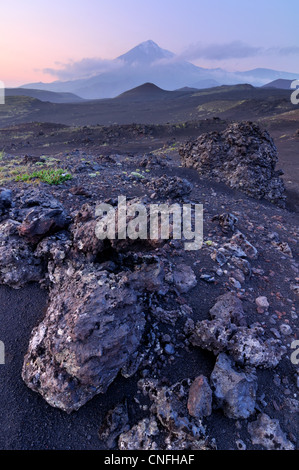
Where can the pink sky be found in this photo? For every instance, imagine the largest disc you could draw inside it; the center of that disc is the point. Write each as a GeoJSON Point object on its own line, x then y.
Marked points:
{"type": "Point", "coordinates": [40, 34]}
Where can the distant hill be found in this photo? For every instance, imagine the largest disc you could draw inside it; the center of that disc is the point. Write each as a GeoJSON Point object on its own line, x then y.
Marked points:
{"type": "Point", "coordinates": [149, 104]}
{"type": "Point", "coordinates": [281, 83]}
{"type": "Point", "coordinates": [188, 88]}
{"type": "Point", "coordinates": [208, 83]}
{"type": "Point", "coordinates": [44, 95]}
{"type": "Point", "coordinates": [147, 91]}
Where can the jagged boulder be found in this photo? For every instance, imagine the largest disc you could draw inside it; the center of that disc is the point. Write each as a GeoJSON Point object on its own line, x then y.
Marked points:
{"type": "Point", "coordinates": [5, 201]}
{"type": "Point", "coordinates": [171, 187]}
{"type": "Point", "coordinates": [267, 432]}
{"type": "Point", "coordinates": [227, 332]}
{"type": "Point", "coordinates": [234, 390]}
{"type": "Point", "coordinates": [43, 219]}
{"type": "Point", "coordinates": [180, 430]}
{"type": "Point", "coordinates": [243, 156]}
{"type": "Point", "coordinates": [92, 329]}
{"type": "Point", "coordinates": [18, 262]}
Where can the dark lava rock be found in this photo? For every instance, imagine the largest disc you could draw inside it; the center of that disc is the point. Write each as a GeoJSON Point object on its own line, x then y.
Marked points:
{"type": "Point", "coordinates": [235, 391]}
{"type": "Point", "coordinates": [41, 221]}
{"type": "Point", "coordinates": [179, 430]}
{"type": "Point", "coordinates": [226, 221]}
{"type": "Point", "coordinates": [243, 156]}
{"type": "Point", "coordinates": [247, 346]}
{"type": "Point", "coordinates": [184, 278]}
{"type": "Point", "coordinates": [267, 433]}
{"type": "Point", "coordinates": [171, 187]}
{"type": "Point", "coordinates": [227, 332]}
{"type": "Point", "coordinates": [18, 263]}
{"type": "Point", "coordinates": [115, 423]}
{"type": "Point", "coordinates": [200, 398]}
{"type": "Point", "coordinates": [84, 235]}
{"type": "Point", "coordinates": [229, 308]}
{"type": "Point", "coordinates": [141, 436]}
{"type": "Point", "coordinates": [240, 247]}
{"type": "Point", "coordinates": [212, 335]}
{"type": "Point", "coordinates": [5, 200]}
{"type": "Point", "coordinates": [93, 328]}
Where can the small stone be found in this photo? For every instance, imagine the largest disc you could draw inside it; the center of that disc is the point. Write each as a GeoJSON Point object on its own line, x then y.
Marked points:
{"type": "Point", "coordinates": [262, 302]}
{"type": "Point", "coordinates": [200, 398]}
{"type": "Point", "coordinates": [207, 278]}
{"type": "Point", "coordinates": [235, 392]}
{"type": "Point", "coordinates": [236, 284]}
{"type": "Point", "coordinates": [277, 380]}
{"type": "Point", "coordinates": [241, 445]}
{"type": "Point", "coordinates": [285, 329]}
{"type": "Point", "coordinates": [184, 278]}
{"type": "Point", "coordinates": [267, 433]}
{"type": "Point", "coordinates": [169, 349]}
{"type": "Point", "coordinates": [166, 339]}
{"type": "Point", "coordinates": [275, 333]}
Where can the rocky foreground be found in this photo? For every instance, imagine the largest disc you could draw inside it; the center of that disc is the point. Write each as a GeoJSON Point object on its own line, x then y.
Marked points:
{"type": "Point", "coordinates": [146, 309]}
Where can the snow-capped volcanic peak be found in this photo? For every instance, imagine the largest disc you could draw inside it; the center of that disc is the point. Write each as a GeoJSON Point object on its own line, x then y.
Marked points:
{"type": "Point", "coordinates": [147, 52]}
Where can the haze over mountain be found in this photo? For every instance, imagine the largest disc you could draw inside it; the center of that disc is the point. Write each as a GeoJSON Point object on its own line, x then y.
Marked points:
{"type": "Point", "coordinates": [44, 95]}
{"type": "Point", "coordinates": [280, 83]}
{"type": "Point", "coordinates": [147, 62]}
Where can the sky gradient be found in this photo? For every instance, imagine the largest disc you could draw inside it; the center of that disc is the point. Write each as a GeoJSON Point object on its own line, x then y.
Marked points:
{"type": "Point", "coordinates": [38, 35]}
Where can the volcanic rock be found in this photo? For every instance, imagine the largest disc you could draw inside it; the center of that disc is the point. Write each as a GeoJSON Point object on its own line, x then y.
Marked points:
{"type": "Point", "coordinates": [235, 391]}
{"type": "Point", "coordinates": [226, 221]}
{"type": "Point", "coordinates": [115, 423]}
{"type": "Point", "coordinates": [171, 187]}
{"type": "Point", "coordinates": [184, 278]}
{"type": "Point", "coordinates": [243, 156]}
{"type": "Point", "coordinates": [5, 200]}
{"type": "Point", "coordinates": [18, 263]}
{"type": "Point", "coordinates": [170, 408]}
{"type": "Point", "coordinates": [92, 329]}
{"type": "Point", "coordinates": [267, 433]}
{"type": "Point", "coordinates": [227, 332]}
{"type": "Point", "coordinates": [45, 218]}
{"type": "Point", "coordinates": [141, 436]}
{"type": "Point", "coordinates": [200, 398]}
{"type": "Point", "coordinates": [229, 308]}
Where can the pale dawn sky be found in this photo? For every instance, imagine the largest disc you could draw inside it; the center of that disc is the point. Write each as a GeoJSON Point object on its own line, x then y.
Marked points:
{"type": "Point", "coordinates": [38, 35]}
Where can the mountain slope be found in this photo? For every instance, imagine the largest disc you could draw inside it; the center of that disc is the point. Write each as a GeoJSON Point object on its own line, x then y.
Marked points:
{"type": "Point", "coordinates": [149, 104]}
{"type": "Point", "coordinates": [146, 53]}
{"type": "Point", "coordinates": [148, 62]}
{"type": "Point", "coordinates": [44, 95]}
{"type": "Point", "coordinates": [281, 83]}
{"type": "Point", "coordinates": [147, 91]}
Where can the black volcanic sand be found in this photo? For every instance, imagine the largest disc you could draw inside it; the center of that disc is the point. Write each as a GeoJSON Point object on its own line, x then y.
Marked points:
{"type": "Point", "coordinates": [28, 422]}
{"type": "Point", "coordinates": [143, 105]}
{"type": "Point", "coordinates": [55, 139]}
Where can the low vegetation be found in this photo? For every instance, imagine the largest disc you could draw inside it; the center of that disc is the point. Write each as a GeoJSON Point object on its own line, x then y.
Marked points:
{"type": "Point", "coordinates": [55, 177]}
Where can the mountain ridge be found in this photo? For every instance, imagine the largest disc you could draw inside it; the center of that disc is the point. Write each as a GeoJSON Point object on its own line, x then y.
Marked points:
{"type": "Point", "coordinates": [148, 62]}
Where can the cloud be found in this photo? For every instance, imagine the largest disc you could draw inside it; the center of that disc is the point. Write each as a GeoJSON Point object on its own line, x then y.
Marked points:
{"type": "Point", "coordinates": [290, 50]}
{"type": "Point", "coordinates": [84, 68]}
{"type": "Point", "coordinates": [232, 50]}
{"type": "Point", "coordinates": [89, 67]}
